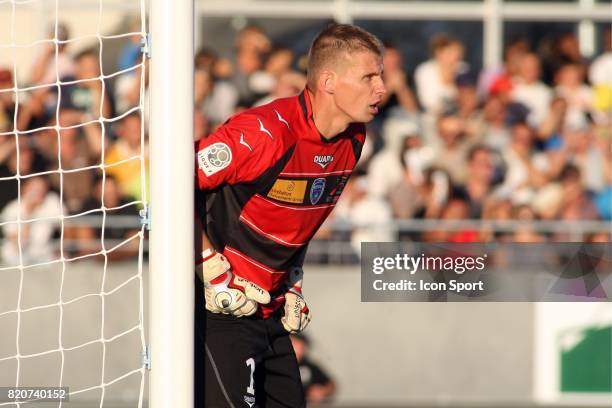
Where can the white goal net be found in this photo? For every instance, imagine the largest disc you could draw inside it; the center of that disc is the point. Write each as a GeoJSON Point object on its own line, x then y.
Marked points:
{"type": "Point", "coordinates": [73, 161]}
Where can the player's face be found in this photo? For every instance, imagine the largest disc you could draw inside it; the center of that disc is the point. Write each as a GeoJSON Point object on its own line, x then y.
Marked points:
{"type": "Point", "coordinates": [359, 87]}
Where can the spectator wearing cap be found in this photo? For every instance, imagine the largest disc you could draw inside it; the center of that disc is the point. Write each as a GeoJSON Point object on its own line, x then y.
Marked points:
{"type": "Point", "coordinates": [468, 106]}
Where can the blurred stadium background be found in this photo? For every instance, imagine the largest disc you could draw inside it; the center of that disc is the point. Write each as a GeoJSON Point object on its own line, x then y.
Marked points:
{"type": "Point", "coordinates": [498, 127]}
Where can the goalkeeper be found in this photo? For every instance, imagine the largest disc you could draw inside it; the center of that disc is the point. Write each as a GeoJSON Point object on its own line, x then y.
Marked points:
{"type": "Point", "coordinates": [266, 181]}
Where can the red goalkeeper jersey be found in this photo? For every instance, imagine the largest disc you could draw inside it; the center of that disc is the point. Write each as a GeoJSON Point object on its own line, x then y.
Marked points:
{"type": "Point", "coordinates": [270, 180]}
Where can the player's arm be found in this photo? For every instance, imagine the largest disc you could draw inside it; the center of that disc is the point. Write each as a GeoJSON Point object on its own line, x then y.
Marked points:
{"type": "Point", "coordinates": [224, 291]}
{"type": "Point", "coordinates": [235, 153]}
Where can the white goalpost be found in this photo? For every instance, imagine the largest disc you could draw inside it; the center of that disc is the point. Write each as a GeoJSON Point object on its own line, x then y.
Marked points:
{"type": "Point", "coordinates": [70, 314]}
{"type": "Point", "coordinates": [172, 215]}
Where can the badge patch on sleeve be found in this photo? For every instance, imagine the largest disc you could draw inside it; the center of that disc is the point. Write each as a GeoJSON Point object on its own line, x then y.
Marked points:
{"type": "Point", "coordinates": [214, 158]}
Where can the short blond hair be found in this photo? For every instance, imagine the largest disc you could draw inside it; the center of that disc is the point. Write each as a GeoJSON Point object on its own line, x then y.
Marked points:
{"type": "Point", "coordinates": [335, 42]}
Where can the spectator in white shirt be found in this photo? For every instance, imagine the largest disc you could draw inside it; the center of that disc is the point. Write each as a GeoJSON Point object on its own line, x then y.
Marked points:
{"type": "Point", "coordinates": [524, 168]}
{"type": "Point", "coordinates": [579, 97]}
{"type": "Point", "coordinates": [435, 78]}
{"type": "Point", "coordinates": [530, 91]}
{"type": "Point", "coordinates": [34, 237]}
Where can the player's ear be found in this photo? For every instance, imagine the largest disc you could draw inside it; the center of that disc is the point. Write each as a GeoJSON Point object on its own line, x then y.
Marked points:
{"type": "Point", "coordinates": [327, 81]}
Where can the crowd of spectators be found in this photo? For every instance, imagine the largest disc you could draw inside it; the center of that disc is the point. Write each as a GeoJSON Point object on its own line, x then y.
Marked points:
{"type": "Point", "coordinates": [528, 140]}
{"type": "Point", "coordinates": [71, 124]}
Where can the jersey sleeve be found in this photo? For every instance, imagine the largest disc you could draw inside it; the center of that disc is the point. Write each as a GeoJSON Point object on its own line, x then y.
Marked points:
{"type": "Point", "coordinates": [237, 152]}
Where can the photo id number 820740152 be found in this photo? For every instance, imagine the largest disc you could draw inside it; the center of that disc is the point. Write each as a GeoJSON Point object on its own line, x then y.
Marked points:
{"type": "Point", "coordinates": [34, 394]}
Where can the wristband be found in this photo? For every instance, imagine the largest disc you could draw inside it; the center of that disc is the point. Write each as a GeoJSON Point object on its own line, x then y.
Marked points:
{"type": "Point", "coordinates": [205, 255]}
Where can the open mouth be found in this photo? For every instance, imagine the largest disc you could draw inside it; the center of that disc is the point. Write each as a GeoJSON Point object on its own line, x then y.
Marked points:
{"type": "Point", "coordinates": [373, 108]}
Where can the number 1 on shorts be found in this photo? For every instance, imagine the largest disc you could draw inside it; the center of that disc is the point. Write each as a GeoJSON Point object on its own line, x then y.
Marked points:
{"type": "Point", "coordinates": [251, 363]}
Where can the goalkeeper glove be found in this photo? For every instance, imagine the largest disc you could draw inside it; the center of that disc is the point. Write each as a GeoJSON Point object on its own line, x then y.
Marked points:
{"type": "Point", "coordinates": [225, 292]}
{"type": "Point", "coordinates": [297, 315]}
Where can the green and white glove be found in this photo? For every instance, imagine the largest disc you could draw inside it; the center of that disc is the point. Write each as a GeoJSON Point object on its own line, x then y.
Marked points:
{"type": "Point", "coordinates": [297, 315]}
{"type": "Point", "coordinates": [226, 292]}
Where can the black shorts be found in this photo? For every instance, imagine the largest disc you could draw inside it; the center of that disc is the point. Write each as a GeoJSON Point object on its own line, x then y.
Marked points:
{"type": "Point", "coordinates": [247, 362]}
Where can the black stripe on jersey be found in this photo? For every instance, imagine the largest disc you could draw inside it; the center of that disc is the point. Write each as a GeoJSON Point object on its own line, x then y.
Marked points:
{"type": "Point", "coordinates": [264, 250]}
{"type": "Point", "coordinates": [302, 100]}
{"type": "Point", "coordinates": [357, 148]}
{"type": "Point", "coordinates": [224, 206]}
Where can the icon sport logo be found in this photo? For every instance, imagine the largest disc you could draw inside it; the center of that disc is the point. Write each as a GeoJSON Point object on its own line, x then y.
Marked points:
{"type": "Point", "coordinates": [323, 161]}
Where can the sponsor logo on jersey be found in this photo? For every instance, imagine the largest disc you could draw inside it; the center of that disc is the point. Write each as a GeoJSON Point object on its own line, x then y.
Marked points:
{"type": "Point", "coordinates": [323, 161]}
{"type": "Point", "coordinates": [336, 191]}
{"type": "Point", "coordinates": [214, 158]}
{"type": "Point", "coordinates": [289, 191]}
{"type": "Point", "coordinates": [316, 190]}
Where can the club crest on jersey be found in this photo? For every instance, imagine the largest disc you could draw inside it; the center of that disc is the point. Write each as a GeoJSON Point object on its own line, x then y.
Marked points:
{"type": "Point", "coordinates": [214, 158]}
{"type": "Point", "coordinates": [316, 190]}
{"type": "Point", "coordinates": [323, 161]}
